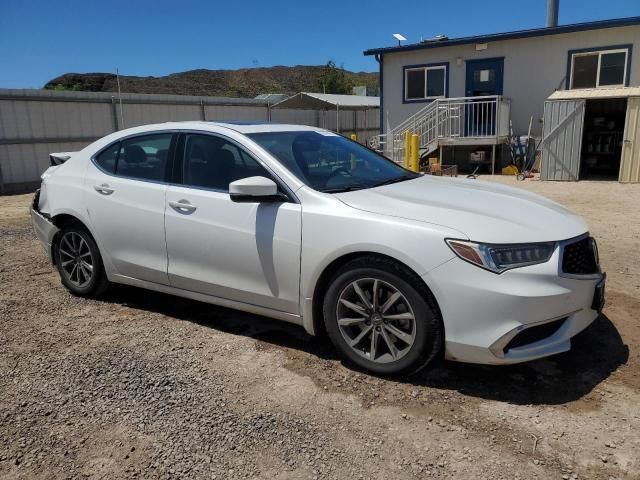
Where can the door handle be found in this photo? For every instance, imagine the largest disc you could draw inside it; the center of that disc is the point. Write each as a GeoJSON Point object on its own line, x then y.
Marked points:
{"type": "Point", "coordinates": [182, 206]}
{"type": "Point", "coordinates": [104, 189]}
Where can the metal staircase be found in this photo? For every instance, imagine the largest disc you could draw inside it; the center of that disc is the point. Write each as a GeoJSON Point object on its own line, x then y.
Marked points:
{"type": "Point", "coordinates": [448, 121]}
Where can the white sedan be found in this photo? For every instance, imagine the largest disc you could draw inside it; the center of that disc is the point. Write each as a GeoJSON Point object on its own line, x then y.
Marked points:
{"type": "Point", "coordinates": [303, 225]}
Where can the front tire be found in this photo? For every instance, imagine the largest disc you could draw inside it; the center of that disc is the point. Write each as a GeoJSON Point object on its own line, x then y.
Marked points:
{"type": "Point", "coordinates": [381, 317]}
{"type": "Point", "coordinates": [79, 262]}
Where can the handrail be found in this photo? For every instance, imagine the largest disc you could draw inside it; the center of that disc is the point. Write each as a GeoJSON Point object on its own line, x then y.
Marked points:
{"type": "Point", "coordinates": [420, 113]}
{"type": "Point", "coordinates": [484, 116]}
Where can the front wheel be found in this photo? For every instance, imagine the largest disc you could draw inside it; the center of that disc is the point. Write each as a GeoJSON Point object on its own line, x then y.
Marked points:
{"type": "Point", "coordinates": [381, 317]}
{"type": "Point", "coordinates": [79, 262]}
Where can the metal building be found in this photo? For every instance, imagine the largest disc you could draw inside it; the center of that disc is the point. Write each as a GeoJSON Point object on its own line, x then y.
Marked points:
{"type": "Point", "coordinates": [346, 107]}
{"type": "Point", "coordinates": [440, 80]}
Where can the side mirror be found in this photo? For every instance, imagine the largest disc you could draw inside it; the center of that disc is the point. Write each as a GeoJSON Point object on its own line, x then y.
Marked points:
{"type": "Point", "coordinates": [255, 189]}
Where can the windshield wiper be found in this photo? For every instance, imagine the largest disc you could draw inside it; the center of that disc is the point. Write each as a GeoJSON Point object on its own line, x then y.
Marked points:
{"type": "Point", "coordinates": [392, 180]}
{"type": "Point", "coordinates": [350, 188]}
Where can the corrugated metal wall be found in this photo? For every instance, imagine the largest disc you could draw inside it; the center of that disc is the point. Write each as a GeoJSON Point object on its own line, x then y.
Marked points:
{"type": "Point", "coordinates": [630, 165]}
{"type": "Point", "coordinates": [562, 139]}
{"type": "Point", "coordinates": [34, 123]}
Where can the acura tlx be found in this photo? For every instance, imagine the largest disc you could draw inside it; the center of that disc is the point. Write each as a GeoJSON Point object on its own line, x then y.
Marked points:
{"type": "Point", "coordinates": [303, 225]}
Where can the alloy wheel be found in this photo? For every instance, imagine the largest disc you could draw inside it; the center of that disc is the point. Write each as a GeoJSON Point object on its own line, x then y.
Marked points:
{"type": "Point", "coordinates": [76, 259]}
{"type": "Point", "coordinates": [376, 320]}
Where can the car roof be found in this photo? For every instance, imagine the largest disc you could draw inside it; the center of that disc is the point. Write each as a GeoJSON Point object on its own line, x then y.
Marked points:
{"type": "Point", "coordinates": [240, 127]}
{"type": "Point", "coordinates": [258, 127]}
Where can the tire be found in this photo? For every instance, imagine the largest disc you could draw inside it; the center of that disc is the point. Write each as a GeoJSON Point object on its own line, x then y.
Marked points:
{"type": "Point", "coordinates": [402, 346]}
{"type": "Point", "coordinates": [79, 262]}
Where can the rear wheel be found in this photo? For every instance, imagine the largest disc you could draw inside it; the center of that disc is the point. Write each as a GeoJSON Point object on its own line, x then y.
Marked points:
{"type": "Point", "coordinates": [79, 262]}
{"type": "Point", "coordinates": [381, 317]}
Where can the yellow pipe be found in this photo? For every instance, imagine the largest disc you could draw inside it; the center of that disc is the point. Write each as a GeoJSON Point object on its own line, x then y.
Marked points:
{"type": "Point", "coordinates": [415, 152]}
{"type": "Point", "coordinates": [407, 149]}
{"type": "Point", "coordinates": [354, 137]}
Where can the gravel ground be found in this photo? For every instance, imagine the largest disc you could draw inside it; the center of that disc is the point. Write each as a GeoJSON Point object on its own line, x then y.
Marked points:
{"type": "Point", "coordinates": [143, 385]}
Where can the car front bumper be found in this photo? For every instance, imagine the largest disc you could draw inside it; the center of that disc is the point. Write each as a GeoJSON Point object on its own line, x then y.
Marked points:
{"type": "Point", "coordinates": [43, 227]}
{"type": "Point", "coordinates": [485, 314]}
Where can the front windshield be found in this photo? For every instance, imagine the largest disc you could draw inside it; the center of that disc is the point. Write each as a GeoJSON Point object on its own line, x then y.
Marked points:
{"type": "Point", "coordinates": [328, 162]}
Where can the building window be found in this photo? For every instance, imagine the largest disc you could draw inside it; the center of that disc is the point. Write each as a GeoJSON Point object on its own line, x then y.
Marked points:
{"type": "Point", "coordinates": [604, 68]}
{"type": "Point", "coordinates": [425, 82]}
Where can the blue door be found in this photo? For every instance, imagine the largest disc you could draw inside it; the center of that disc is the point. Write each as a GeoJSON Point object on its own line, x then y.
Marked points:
{"type": "Point", "coordinates": [484, 78]}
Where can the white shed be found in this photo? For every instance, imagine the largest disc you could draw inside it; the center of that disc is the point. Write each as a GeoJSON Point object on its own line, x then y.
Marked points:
{"type": "Point", "coordinates": [592, 133]}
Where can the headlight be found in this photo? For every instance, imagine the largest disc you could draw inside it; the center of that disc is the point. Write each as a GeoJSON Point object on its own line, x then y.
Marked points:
{"type": "Point", "coordinates": [498, 258]}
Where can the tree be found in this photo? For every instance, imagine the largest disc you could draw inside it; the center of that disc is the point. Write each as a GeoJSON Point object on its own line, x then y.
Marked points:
{"type": "Point", "coordinates": [334, 79]}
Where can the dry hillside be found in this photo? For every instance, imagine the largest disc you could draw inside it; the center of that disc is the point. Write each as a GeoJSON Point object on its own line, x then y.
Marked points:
{"type": "Point", "coordinates": [246, 82]}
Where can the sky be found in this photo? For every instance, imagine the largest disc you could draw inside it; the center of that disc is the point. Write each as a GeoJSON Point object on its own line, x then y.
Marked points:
{"type": "Point", "coordinates": [40, 40]}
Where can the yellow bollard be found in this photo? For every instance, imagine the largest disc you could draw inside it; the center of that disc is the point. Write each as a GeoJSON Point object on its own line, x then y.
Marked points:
{"type": "Point", "coordinates": [354, 137]}
{"type": "Point", "coordinates": [415, 152]}
{"type": "Point", "coordinates": [407, 149]}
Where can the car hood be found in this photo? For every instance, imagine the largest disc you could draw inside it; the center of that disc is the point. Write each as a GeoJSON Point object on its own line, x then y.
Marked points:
{"type": "Point", "coordinates": [482, 211]}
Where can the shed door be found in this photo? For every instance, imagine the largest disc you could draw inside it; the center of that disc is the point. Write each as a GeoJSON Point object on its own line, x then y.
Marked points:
{"type": "Point", "coordinates": [630, 165]}
{"type": "Point", "coordinates": [562, 139]}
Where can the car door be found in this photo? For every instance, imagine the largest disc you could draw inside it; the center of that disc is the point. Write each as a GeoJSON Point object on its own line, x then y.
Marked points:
{"type": "Point", "coordinates": [125, 190]}
{"type": "Point", "coordinates": [246, 252]}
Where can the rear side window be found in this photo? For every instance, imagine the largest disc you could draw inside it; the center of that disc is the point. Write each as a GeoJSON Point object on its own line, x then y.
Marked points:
{"type": "Point", "coordinates": [107, 159]}
{"type": "Point", "coordinates": [144, 157]}
{"type": "Point", "coordinates": [213, 162]}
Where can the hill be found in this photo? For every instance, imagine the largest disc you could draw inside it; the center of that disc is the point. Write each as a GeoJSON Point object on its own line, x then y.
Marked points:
{"type": "Point", "coordinates": [245, 82]}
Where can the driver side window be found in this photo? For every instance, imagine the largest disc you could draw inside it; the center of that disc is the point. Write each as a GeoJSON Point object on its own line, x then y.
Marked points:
{"type": "Point", "coordinates": [212, 162]}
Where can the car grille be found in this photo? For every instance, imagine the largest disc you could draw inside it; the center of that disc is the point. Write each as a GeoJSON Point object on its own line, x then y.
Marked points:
{"type": "Point", "coordinates": [534, 334]}
{"type": "Point", "coordinates": [580, 257]}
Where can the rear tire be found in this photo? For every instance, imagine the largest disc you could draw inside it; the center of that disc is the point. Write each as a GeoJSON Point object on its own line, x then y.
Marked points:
{"type": "Point", "coordinates": [397, 331]}
{"type": "Point", "coordinates": [79, 262]}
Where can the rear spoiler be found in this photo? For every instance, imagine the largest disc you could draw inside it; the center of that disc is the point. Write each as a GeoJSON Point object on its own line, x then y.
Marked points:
{"type": "Point", "coordinates": [59, 158]}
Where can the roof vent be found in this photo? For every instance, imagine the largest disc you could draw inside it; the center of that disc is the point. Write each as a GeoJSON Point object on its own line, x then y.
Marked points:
{"type": "Point", "coordinates": [438, 38]}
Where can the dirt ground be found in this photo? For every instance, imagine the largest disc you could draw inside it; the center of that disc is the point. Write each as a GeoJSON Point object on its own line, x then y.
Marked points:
{"type": "Point", "coordinates": [143, 385]}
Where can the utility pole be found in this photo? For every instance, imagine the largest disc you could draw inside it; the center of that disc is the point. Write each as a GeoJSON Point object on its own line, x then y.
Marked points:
{"type": "Point", "coordinates": [120, 97]}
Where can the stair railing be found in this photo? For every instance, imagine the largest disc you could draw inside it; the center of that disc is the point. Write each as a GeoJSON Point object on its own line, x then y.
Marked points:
{"type": "Point", "coordinates": [447, 118]}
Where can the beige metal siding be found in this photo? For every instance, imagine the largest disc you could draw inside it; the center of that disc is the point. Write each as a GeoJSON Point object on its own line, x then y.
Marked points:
{"type": "Point", "coordinates": [24, 163]}
{"type": "Point", "coordinates": [562, 139]}
{"type": "Point", "coordinates": [34, 123]}
{"type": "Point", "coordinates": [301, 117]}
{"type": "Point", "coordinates": [236, 113]}
{"type": "Point", "coordinates": [630, 164]}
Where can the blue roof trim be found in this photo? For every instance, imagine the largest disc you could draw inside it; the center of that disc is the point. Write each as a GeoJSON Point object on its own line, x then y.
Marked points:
{"type": "Point", "coordinates": [494, 37]}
